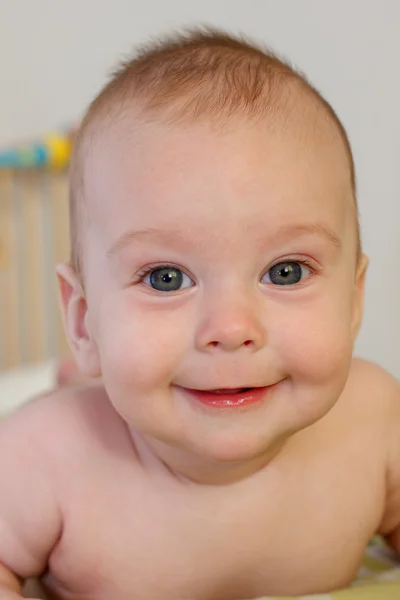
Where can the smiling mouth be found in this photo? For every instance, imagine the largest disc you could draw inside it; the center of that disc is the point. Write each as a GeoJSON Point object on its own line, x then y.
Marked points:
{"type": "Point", "coordinates": [225, 398]}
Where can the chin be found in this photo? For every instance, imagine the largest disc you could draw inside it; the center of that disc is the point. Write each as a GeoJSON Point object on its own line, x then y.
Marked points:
{"type": "Point", "coordinates": [237, 448]}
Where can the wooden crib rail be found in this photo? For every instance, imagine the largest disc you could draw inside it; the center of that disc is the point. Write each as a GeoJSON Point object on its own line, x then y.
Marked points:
{"type": "Point", "coordinates": [33, 239]}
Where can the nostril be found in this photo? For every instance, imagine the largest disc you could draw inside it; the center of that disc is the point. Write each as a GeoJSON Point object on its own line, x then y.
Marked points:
{"type": "Point", "coordinates": [214, 343]}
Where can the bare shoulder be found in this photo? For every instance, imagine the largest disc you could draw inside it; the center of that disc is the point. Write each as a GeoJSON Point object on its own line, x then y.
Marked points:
{"type": "Point", "coordinates": [378, 395]}
{"type": "Point", "coordinates": [52, 419]}
{"type": "Point", "coordinates": [368, 408]}
{"type": "Point", "coordinates": [371, 373]}
{"type": "Point", "coordinates": [370, 405]}
{"type": "Point", "coordinates": [375, 387]}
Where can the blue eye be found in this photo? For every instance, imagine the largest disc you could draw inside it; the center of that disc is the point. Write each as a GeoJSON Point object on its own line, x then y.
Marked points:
{"type": "Point", "coordinates": [166, 279]}
{"type": "Point", "coordinates": [171, 279]}
{"type": "Point", "coordinates": [287, 273]}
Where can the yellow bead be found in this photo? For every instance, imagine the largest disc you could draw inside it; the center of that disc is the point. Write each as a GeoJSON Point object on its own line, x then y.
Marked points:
{"type": "Point", "coordinates": [59, 151]}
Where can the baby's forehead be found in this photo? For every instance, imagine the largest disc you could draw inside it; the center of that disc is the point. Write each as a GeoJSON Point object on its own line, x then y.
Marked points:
{"type": "Point", "coordinates": [125, 195]}
{"type": "Point", "coordinates": [180, 162]}
{"type": "Point", "coordinates": [120, 141]}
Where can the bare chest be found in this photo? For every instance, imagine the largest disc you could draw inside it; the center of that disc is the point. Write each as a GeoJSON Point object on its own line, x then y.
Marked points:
{"type": "Point", "coordinates": [286, 535]}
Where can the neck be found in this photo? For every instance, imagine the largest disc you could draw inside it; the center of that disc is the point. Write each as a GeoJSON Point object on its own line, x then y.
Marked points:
{"type": "Point", "coordinates": [188, 467]}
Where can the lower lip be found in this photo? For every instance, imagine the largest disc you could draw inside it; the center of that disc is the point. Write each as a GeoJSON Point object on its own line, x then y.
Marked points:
{"type": "Point", "coordinates": [237, 400]}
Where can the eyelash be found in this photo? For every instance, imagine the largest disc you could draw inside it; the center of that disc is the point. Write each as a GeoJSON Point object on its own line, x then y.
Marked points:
{"type": "Point", "coordinates": [146, 270]}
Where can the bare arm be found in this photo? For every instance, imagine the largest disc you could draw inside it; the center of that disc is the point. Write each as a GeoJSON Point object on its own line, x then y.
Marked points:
{"type": "Point", "coordinates": [390, 526]}
{"type": "Point", "coordinates": [30, 522]}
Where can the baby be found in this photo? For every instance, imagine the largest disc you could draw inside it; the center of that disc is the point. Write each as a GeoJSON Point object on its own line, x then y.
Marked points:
{"type": "Point", "coordinates": [232, 448]}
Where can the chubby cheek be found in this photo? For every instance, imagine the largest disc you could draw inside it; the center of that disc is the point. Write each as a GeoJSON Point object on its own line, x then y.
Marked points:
{"type": "Point", "coordinates": [139, 349]}
{"type": "Point", "coordinates": [316, 344]}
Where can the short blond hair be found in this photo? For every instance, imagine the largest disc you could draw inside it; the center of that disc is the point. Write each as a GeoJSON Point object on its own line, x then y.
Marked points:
{"type": "Point", "coordinates": [203, 73]}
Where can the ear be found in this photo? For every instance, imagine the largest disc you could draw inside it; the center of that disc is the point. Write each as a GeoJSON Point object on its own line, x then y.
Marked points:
{"type": "Point", "coordinates": [358, 301]}
{"type": "Point", "coordinates": [75, 318]}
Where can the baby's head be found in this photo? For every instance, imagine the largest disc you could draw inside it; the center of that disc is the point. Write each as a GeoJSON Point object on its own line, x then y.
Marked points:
{"type": "Point", "coordinates": [215, 244]}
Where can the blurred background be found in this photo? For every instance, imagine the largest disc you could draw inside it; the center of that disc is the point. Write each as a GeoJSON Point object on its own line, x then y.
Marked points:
{"type": "Point", "coordinates": [54, 57]}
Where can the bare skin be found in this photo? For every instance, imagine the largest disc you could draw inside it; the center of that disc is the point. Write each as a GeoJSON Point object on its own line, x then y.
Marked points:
{"type": "Point", "coordinates": [120, 524]}
{"type": "Point", "coordinates": [185, 502]}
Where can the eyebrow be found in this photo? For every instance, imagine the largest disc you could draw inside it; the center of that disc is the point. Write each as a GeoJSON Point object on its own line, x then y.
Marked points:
{"type": "Point", "coordinates": [173, 237]}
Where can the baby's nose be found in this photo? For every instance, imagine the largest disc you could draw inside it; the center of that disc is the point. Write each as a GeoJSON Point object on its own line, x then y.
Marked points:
{"type": "Point", "coordinates": [231, 327]}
